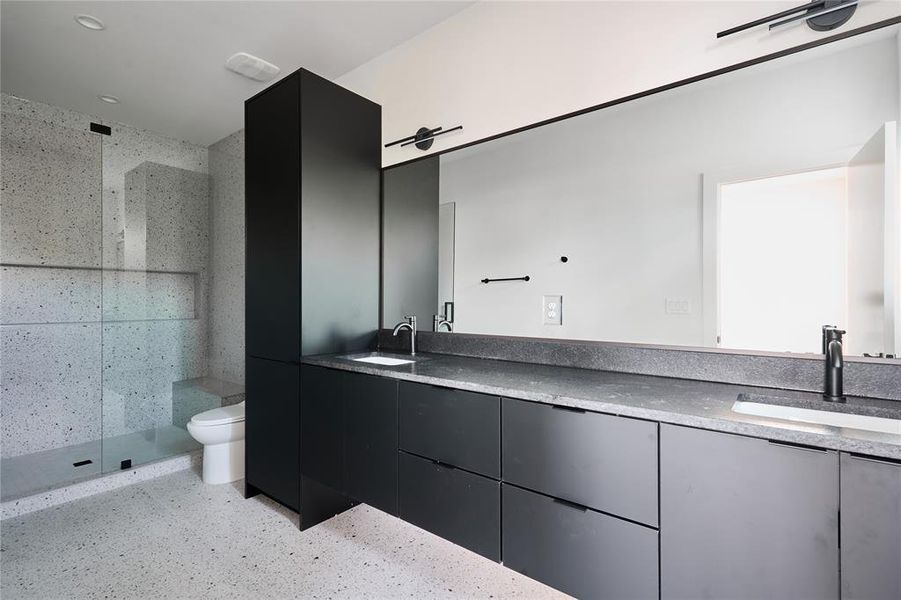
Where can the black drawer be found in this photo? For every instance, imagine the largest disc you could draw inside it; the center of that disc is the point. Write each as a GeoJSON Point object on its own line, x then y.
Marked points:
{"type": "Point", "coordinates": [452, 426]}
{"type": "Point", "coordinates": [604, 462]}
{"type": "Point", "coordinates": [458, 506]}
{"type": "Point", "coordinates": [578, 551]}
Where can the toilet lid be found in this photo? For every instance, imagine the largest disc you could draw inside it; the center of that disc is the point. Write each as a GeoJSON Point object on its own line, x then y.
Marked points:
{"type": "Point", "coordinates": [220, 416]}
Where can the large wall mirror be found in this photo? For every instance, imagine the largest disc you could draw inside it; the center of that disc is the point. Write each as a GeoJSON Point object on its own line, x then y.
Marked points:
{"type": "Point", "coordinates": [743, 211]}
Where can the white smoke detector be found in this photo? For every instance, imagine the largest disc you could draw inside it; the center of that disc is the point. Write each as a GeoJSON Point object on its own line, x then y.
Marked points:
{"type": "Point", "coordinates": [251, 67]}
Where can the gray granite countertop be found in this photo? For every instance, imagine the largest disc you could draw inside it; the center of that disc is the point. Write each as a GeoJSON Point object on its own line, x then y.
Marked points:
{"type": "Point", "coordinates": [678, 401]}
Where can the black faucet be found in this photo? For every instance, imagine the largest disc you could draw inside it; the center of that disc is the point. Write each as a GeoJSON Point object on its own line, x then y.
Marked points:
{"type": "Point", "coordinates": [832, 347]}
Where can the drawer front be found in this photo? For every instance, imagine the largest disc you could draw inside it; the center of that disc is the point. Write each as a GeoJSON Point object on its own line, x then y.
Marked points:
{"type": "Point", "coordinates": [604, 462]}
{"type": "Point", "coordinates": [581, 552]}
{"type": "Point", "coordinates": [870, 527]}
{"type": "Point", "coordinates": [458, 506]}
{"type": "Point", "coordinates": [452, 426]}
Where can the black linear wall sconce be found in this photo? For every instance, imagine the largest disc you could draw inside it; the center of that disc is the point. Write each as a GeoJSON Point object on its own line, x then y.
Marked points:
{"type": "Point", "coordinates": [821, 15]}
{"type": "Point", "coordinates": [423, 138]}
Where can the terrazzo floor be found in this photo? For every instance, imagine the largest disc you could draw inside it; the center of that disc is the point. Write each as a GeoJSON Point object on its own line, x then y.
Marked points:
{"type": "Point", "coordinates": [174, 537]}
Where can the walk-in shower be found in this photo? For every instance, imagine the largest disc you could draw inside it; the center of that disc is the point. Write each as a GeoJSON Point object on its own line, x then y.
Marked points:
{"type": "Point", "coordinates": [105, 252]}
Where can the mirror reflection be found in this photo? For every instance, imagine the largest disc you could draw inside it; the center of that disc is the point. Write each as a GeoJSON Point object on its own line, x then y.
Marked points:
{"type": "Point", "coordinates": [744, 211]}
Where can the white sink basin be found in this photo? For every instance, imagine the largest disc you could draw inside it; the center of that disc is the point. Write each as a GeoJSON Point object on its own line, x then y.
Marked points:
{"type": "Point", "coordinates": [383, 360]}
{"type": "Point", "coordinates": [818, 417]}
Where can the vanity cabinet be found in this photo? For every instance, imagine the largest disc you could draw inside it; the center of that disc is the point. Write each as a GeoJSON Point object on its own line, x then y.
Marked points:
{"type": "Point", "coordinates": [870, 528]}
{"type": "Point", "coordinates": [454, 427]}
{"type": "Point", "coordinates": [271, 430]}
{"type": "Point", "coordinates": [450, 464]}
{"type": "Point", "coordinates": [348, 429]}
{"type": "Point", "coordinates": [370, 440]}
{"type": "Point", "coordinates": [746, 518]}
{"type": "Point", "coordinates": [603, 462]}
{"type": "Point", "coordinates": [321, 426]}
{"type": "Point", "coordinates": [459, 506]}
{"type": "Point", "coordinates": [579, 551]}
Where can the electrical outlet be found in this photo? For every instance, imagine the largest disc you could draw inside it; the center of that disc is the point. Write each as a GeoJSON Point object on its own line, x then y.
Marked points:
{"type": "Point", "coordinates": [678, 306]}
{"type": "Point", "coordinates": [552, 310]}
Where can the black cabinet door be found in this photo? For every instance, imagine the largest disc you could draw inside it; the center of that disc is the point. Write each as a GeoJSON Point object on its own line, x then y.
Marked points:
{"type": "Point", "coordinates": [451, 426]}
{"type": "Point", "coordinates": [579, 551]}
{"type": "Point", "coordinates": [461, 507]}
{"type": "Point", "coordinates": [272, 209]}
{"type": "Point", "coordinates": [370, 440]}
{"type": "Point", "coordinates": [339, 188]}
{"type": "Point", "coordinates": [871, 528]}
{"type": "Point", "coordinates": [321, 426]}
{"type": "Point", "coordinates": [601, 461]}
{"type": "Point", "coordinates": [271, 430]}
{"type": "Point", "coordinates": [746, 518]}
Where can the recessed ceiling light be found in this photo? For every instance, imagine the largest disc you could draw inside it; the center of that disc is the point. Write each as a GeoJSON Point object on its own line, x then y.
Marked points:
{"type": "Point", "coordinates": [89, 22]}
{"type": "Point", "coordinates": [109, 99]}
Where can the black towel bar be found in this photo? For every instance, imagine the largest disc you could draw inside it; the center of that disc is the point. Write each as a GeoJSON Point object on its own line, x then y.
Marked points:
{"type": "Point", "coordinates": [524, 278]}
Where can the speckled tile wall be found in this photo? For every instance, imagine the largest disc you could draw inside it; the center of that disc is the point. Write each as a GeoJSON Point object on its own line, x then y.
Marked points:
{"type": "Point", "coordinates": [46, 295]}
{"type": "Point", "coordinates": [164, 228]}
{"type": "Point", "coordinates": [74, 335]}
{"type": "Point", "coordinates": [50, 214]}
{"type": "Point", "coordinates": [227, 258]}
{"type": "Point", "coordinates": [50, 385]}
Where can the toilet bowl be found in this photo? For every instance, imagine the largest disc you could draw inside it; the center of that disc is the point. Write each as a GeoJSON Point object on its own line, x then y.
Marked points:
{"type": "Point", "coordinates": [221, 431]}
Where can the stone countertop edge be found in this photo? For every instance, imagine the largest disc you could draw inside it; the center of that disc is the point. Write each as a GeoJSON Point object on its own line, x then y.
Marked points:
{"type": "Point", "coordinates": [698, 404]}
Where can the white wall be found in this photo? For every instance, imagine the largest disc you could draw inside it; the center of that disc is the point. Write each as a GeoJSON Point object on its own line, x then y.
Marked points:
{"type": "Point", "coordinates": [618, 191]}
{"type": "Point", "coordinates": [500, 65]}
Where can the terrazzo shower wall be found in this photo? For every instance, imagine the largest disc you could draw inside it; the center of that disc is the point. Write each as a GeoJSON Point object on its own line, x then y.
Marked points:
{"type": "Point", "coordinates": [50, 306]}
{"type": "Point", "coordinates": [80, 317]}
{"type": "Point", "coordinates": [227, 261]}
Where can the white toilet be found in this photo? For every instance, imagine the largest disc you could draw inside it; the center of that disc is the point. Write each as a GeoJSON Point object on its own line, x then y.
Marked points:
{"type": "Point", "coordinates": [221, 431]}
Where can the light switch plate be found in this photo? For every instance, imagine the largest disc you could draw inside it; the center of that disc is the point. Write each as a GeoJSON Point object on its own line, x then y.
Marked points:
{"type": "Point", "coordinates": [552, 310]}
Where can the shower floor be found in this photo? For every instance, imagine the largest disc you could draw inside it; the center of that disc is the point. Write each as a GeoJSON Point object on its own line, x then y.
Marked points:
{"type": "Point", "coordinates": [41, 471]}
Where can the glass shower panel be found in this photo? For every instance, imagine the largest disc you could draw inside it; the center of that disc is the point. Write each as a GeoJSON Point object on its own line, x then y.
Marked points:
{"type": "Point", "coordinates": [50, 315]}
{"type": "Point", "coordinates": [154, 304]}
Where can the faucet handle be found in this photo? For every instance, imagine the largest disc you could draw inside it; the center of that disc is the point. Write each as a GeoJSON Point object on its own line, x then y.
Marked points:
{"type": "Point", "coordinates": [411, 319]}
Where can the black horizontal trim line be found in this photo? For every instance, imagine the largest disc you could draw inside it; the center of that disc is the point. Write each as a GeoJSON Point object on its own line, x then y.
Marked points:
{"type": "Point", "coordinates": [588, 508]}
{"type": "Point", "coordinates": [878, 459]}
{"type": "Point", "coordinates": [572, 409]}
{"type": "Point", "coordinates": [284, 362]}
{"type": "Point", "coordinates": [799, 446]}
{"type": "Point", "coordinates": [666, 87]}
{"type": "Point", "coordinates": [446, 465]}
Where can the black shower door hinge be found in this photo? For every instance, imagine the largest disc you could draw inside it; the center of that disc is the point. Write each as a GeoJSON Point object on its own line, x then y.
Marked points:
{"type": "Point", "coordinates": [103, 129]}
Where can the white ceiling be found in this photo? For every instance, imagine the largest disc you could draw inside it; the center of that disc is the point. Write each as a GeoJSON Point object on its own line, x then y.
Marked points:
{"type": "Point", "coordinates": [165, 60]}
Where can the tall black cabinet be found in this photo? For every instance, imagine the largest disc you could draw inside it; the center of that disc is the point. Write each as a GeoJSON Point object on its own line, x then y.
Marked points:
{"type": "Point", "coordinates": [313, 162]}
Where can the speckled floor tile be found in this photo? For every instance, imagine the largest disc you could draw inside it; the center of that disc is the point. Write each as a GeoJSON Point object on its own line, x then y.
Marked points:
{"type": "Point", "coordinates": [174, 537]}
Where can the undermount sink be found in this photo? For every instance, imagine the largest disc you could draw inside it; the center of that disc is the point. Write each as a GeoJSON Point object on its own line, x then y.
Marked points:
{"type": "Point", "coordinates": [836, 415]}
{"type": "Point", "coordinates": [380, 359]}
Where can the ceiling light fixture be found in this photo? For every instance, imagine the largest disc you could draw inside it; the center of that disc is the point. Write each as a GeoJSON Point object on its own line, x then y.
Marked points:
{"type": "Point", "coordinates": [109, 99]}
{"type": "Point", "coordinates": [251, 67]}
{"type": "Point", "coordinates": [89, 22]}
